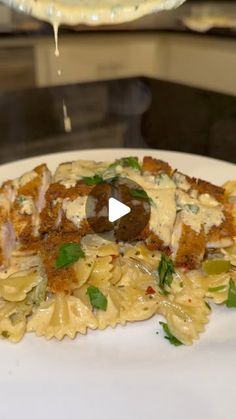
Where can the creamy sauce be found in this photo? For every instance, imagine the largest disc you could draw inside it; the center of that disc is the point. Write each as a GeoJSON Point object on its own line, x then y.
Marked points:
{"type": "Point", "coordinates": [69, 173]}
{"type": "Point", "coordinates": [197, 215]}
{"type": "Point", "coordinates": [67, 120]}
{"type": "Point", "coordinates": [75, 210]}
{"type": "Point", "coordinates": [181, 181]}
{"type": "Point", "coordinates": [91, 12]}
{"type": "Point", "coordinates": [176, 235]}
{"type": "Point", "coordinates": [146, 181]}
{"type": "Point", "coordinates": [208, 200]}
{"type": "Point", "coordinates": [26, 205]}
{"type": "Point", "coordinates": [163, 213]}
{"type": "Point", "coordinates": [55, 30]}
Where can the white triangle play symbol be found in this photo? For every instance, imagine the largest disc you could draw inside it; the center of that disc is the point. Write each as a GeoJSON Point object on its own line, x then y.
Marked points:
{"type": "Point", "coordinates": [116, 210]}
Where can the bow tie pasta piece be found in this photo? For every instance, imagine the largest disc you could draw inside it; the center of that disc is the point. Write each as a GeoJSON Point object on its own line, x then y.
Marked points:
{"type": "Point", "coordinates": [135, 305]}
{"type": "Point", "coordinates": [16, 287]}
{"type": "Point", "coordinates": [110, 317]}
{"type": "Point", "coordinates": [110, 249]}
{"type": "Point", "coordinates": [186, 313]}
{"type": "Point", "coordinates": [13, 320]}
{"type": "Point", "coordinates": [62, 315]}
{"type": "Point", "coordinates": [83, 268]}
{"type": "Point", "coordinates": [101, 274]}
{"type": "Point", "coordinates": [217, 286]}
{"type": "Point", "coordinates": [230, 252]}
{"type": "Point", "coordinates": [141, 253]}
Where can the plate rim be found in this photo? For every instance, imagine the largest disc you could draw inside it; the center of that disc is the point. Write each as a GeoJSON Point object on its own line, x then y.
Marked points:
{"type": "Point", "coordinates": [110, 150]}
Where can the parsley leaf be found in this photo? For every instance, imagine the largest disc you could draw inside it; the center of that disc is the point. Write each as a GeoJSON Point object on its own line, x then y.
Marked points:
{"type": "Point", "coordinates": [231, 301]}
{"type": "Point", "coordinates": [217, 289]}
{"type": "Point", "coordinates": [165, 271]}
{"type": "Point", "coordinates": [171, 338]}
{"type": "Point", "coordinates": [207, 305]}
{"type": "Point", "coordinates": [97, 298]}
{"type": "Point", "coordinates": [140, 194]}
{"type": "Point", "coordinates": [112, 180]}
{"type": "Point", "coordinates": [93, 180]}
{"type": "Point", "coordinates": [193, 208]}
{"type": "Point", "coordinates": [126, 162]}
{"type": "Point", "coordinates": [69, 253]}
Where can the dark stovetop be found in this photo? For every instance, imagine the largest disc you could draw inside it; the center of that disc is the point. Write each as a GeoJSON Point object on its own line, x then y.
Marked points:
{"type": "Point", "coordinates": [135, 112]}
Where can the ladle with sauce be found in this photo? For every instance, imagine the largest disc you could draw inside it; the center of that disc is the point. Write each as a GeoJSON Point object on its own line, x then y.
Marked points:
{"type": "Point", "coordinates": [90, 12]}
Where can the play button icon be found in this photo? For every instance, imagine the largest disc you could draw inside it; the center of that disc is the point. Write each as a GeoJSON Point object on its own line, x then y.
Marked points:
{"type": "Point", "coordinates": [116, 210]}
{"type": "Point", "coordinates": [119, 206]}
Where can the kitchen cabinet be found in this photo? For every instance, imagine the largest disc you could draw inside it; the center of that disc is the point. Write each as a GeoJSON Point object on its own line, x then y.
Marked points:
{"type": "Point", "coordinates": [202, 61]}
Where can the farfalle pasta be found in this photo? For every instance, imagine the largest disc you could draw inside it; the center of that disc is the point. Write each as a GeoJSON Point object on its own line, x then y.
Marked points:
{"type": "Point", "coordinates": [59, 279]}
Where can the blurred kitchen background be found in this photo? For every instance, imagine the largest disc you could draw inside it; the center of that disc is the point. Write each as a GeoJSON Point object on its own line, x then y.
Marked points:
{"type": "Point", "coordinates": [166, 81]}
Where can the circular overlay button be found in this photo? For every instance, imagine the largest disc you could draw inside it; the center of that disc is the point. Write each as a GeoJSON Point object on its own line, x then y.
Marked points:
{"type": "Point", "coordinates": [118, 205]}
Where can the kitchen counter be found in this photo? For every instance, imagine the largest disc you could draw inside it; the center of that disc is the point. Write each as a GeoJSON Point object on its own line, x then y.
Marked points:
{"type": "Point", "coordinates": [131, 112]}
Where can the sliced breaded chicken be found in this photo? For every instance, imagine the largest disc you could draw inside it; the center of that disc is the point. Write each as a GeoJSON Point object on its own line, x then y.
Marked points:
{"type": "Point", "coordinates": [155, 166]}
{"type": "Point", "coordinates": [7, 237]}
{"type": "Point", "coordinates": [162, 218]}
{"type": "Point", "coordinates": [222, 236]}
{"type": "Point", "coordinates": [153, 241]}
{"type": "Point", "coordinates": [29, 191]}
{"type": "Point", "coordinates": [7, 243]}
{"type": "Point", "coordinates": [182, 181]}
{"type": "Point", "coordinates": [187, 245]}
{"type": "Point", "coordinates": [59, 279]}
{"type": "Point", "coordinates": [68, 174]}
{"type": "Point", "coordinates": [230, 193]}
{"type": "Point", "coordinates": [205, 220]}
{"type": "Point", "coordinates": [215, 191]}
{"type": "Point", "coordinates": [78, 208]}
{"type": "Point", "coordinates": [21, 201]}
{"type": "Point", "coordinates": [58, 200]}
{"type": "Point", "coordinates": [128, 228]}
{"type": "Point", "coordinates": [201, 187]}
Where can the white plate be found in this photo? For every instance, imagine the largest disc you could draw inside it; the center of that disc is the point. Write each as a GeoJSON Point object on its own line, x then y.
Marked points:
{"type": "Point", "coordinates": [128, 372]}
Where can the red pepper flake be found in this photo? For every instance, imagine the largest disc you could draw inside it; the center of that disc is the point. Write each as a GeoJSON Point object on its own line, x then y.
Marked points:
{"type": "Point", "coordinates": [185, 267]}
{"type": "Point", "coordinates": [114, 257]}
{"type": "Point", "coordinates": [150, 291]}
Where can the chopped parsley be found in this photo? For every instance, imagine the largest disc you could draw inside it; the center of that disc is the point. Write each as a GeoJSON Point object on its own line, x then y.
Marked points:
{"type": "Point", "coordinates": [217, 289]}
{"type": "Point", "coordinates": [93, 180]}
{"type": "Point", "coordinates": [193, 208]}
{"type": "Point", "coordinates": [140, 194]}
{"type": "Point", "coordinates": [161, 177]}
{"type": "Point", "coordinates": [68, 254]}
{"type": "Point", "coordinates": [208, 305]}
{"type": "Point", "coordinates": [126, 162]}
{"type": "Point", "coordinates": [97, 298]}
{"type": "Point", "coordinates": [112, 180]}
{"type": "Point", "coordinates": [165, 271]}
{"type": "Point", "coordinates": [231, 300]}
{"type": "Point", "coordinates": [169, 336]}
{"type": "Point", "coordinates": [21, 199]}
